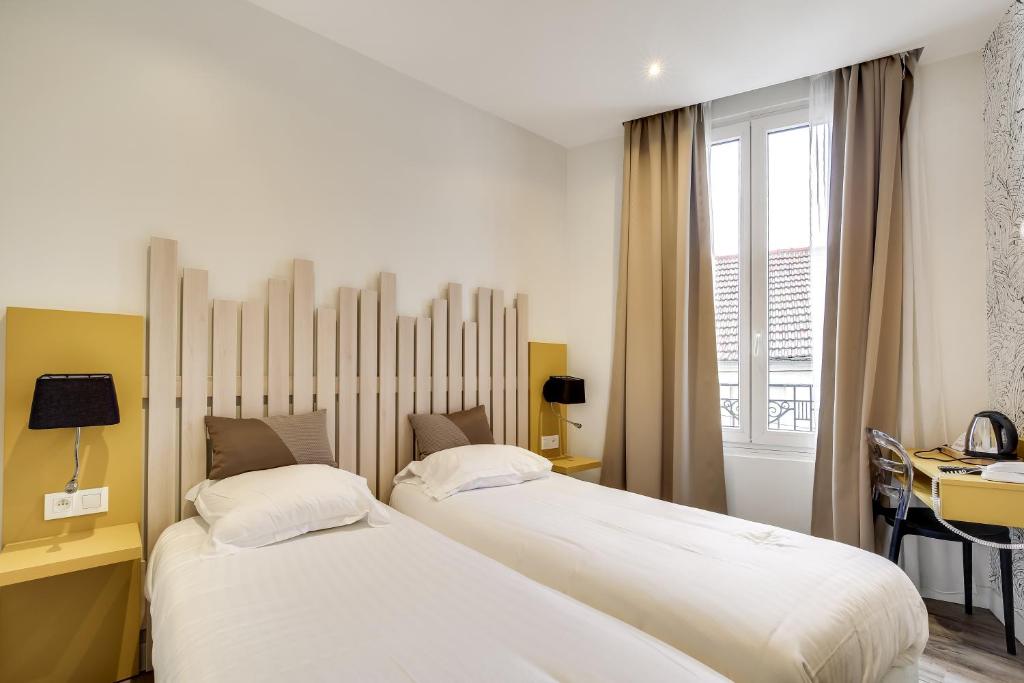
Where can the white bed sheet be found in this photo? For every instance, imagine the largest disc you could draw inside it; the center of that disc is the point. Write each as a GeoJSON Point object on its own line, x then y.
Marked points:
{"type": "Point", "coordinates": [756, 603]}
{"type": "Point", "coordinates": [393, 603]}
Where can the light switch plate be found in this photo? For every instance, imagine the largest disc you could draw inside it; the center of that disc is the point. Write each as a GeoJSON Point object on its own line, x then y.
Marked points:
{"type": "Point", "coordinates": [548, 442]}
{"type": "Point", "coordinates": [81, 502]}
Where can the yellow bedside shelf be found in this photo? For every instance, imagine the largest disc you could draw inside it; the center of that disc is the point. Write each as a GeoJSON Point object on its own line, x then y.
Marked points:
{"type": "Point", "coordinates": [571, 464]}
{"type": "Point", "coordinates": [46, 557]}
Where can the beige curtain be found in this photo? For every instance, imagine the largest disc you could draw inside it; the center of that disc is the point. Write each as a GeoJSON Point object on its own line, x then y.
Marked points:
{"type": "Point", "coordinates": [664, 435]}
{"type": "Point", "coordinates": [863, 291]}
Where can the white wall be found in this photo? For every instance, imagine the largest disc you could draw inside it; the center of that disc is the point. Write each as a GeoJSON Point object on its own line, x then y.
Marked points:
{"type": "Point", "coordinates": [775, 487]}
{"type": "Point", "coordinates": [593, 207]}
{"type": "Point", "coordinates": [253, 141]}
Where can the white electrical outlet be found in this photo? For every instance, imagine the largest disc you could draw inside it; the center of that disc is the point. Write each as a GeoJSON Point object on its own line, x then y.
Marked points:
{"type": "Point", "coordinates": [81, 502]}
{"type": "Point", "coordinates": [549, 442]}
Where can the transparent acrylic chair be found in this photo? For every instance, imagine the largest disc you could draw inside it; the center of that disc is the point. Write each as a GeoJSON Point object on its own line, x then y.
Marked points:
{"type": "Point", "coordinates": [892, 477]}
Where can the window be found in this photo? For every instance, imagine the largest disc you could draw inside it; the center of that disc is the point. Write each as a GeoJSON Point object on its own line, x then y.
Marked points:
{"type": "Point", "coordinates": [768, 281]}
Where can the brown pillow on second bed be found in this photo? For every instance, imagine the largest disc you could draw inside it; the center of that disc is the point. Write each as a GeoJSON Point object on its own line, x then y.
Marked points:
{"type": "Point", "coordinates": [261, 443]}
{"type": "Point", "coordinates": [438, 432]}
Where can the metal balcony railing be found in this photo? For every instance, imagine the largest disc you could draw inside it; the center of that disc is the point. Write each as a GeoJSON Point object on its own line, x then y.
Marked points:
{"type": "Point", "coordinates": [791, 407]}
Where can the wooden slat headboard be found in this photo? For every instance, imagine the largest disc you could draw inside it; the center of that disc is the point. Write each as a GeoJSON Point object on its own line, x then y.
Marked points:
{"type": "Point", "coordinates": [368, 366]}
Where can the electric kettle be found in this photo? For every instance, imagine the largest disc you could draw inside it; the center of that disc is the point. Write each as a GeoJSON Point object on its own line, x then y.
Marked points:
{"type": "Point", "coordinates": [991, 435]}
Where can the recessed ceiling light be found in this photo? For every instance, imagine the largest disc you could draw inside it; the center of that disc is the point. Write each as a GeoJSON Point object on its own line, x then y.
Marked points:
{"type": "Point", "coordinates": [654, 69]}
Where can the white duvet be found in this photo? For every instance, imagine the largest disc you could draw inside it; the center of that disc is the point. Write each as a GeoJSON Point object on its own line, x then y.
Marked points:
{"type": "Point", "coordinates": [754, 602]}
{"type": "Point", "coordinates": [393, 603]}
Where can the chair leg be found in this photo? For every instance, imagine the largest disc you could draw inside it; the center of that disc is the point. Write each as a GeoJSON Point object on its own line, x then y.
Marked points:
{"type": "Point", "coordinates": [968, 577]}
{"type": "Point", "coordinates": [1006, 574]}
{"type": "Point", "coordinates": [896, 540]}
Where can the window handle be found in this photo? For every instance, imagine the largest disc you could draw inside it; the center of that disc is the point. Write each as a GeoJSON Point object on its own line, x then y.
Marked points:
{"type": "Point", "coordinates": [757, 344]}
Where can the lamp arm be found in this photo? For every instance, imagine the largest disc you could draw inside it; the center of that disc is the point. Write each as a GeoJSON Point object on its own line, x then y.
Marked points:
{"type": "Point", "coordinates": [577, 425]}
{"type": "Point", "coordinates": [72, 485]}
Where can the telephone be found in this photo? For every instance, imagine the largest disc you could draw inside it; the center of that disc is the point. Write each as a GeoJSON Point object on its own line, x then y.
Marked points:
{"type": "Point", "coordinates": [1009, 471]}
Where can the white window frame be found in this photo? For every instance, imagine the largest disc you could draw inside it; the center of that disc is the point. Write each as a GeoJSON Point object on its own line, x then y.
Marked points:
{"type": "Point", "coordinates": [728, 133]}
{"type": "Point", "coordinates": [752, 129]}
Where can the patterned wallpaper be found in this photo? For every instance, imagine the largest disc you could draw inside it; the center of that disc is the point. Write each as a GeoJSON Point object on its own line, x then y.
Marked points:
{"type": "Point", "coordinates": [1003, 57]}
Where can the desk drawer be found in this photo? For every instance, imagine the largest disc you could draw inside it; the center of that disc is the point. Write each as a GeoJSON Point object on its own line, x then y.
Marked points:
{"type": "Point", "coordinates": [987, 502]}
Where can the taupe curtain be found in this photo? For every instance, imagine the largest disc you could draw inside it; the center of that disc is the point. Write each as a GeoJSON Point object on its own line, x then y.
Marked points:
{"type": "Point", "coordinates": [863, 290]}
{"type": "Point", "coordinates": [664, 435]}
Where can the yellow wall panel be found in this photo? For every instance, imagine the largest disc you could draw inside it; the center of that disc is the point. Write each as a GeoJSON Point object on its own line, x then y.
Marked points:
{"type": "Point", "coordinates": [82, 626]}
{"type": "Point", "coordinates": [545, 360]}
{"type": "Point", "coordinates": [37, 462]}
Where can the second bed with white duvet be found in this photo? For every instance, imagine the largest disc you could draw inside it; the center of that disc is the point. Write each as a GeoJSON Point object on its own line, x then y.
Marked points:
{"type": "Point", "coordinates": [756, 603]}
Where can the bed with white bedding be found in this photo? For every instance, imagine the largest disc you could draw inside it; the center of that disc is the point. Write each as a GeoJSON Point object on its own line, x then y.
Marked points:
{"type": "Point", "coordinates": [398, 602]}
{"type": "Point", "coordinates": [754, 602]}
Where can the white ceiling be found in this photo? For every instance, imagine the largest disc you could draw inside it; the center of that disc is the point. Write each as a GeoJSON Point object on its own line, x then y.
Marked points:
{"type": "Point", "coordinates": [573, 70]}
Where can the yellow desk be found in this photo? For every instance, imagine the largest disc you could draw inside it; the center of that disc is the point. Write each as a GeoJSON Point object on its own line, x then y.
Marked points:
{"type": "Point", "coordinates": [968, 497]}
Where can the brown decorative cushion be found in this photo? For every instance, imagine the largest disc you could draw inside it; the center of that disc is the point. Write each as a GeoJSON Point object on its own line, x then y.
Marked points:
{"type": "Point", "coordinates": [438, 432]}
{"type": "Point", "coordinates": [473, 423]}
{"type": "Point", "coordinates": [260, 443]}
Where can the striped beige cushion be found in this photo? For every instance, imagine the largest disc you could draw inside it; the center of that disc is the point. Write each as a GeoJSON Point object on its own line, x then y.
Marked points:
{"type": "Point", "coordinates": [439, 432]}
{"type": "Point", "coordinates": [249, 444]}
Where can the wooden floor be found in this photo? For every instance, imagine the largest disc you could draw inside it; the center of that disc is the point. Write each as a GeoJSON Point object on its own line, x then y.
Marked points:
{"type": "Point", "coordinates": [965, 647]}
{"type": "Point", "coordinates": [961, 649]}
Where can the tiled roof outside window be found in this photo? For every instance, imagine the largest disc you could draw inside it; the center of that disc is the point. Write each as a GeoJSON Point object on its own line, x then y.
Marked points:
{"type": "Point", "coordinates": [789, 305]}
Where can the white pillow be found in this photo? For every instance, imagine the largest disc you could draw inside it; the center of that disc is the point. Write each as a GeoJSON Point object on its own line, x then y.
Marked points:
{"type": "Point", "coordinates": [257, 508]}
{"type": "Point", "coordinates": [445, 473]}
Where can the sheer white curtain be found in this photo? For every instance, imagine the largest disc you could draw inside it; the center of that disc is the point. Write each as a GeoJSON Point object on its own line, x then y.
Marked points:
{"type": "Point", "coordinates": [935, 566]}
{"type": "Point", "coordinates": [923, 419]}
{"type": "Point", "coordinates": [820, 118]}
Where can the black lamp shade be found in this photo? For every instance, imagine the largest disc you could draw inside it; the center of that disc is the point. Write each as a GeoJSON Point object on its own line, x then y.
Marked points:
{"type": "Point", "coordinates": [74, 401]}
{"type": "Point", "coordinates": [564, 389]}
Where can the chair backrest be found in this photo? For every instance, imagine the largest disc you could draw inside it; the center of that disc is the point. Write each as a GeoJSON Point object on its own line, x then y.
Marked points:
{"type": "Point", "coordinates": [892, 473]}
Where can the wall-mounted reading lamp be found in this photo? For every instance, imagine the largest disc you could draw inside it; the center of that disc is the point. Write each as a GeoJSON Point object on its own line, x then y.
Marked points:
{"type": "Point", "coordinates": [567, 391]}
{"type": "Point", "coordinates": [65, 401]}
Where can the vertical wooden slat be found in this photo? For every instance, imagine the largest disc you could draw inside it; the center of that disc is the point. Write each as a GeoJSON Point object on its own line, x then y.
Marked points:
{"type": "Point", "coordinates": [498, 365]}
{"type": "Point", "coordinates": [522, 372]}
{"type": "Point", "coordinates": [424, 338]}
{"type": "Point", "coordinates": [302, 337]}
{"type": "Point", "coordinates": [454, 347]}
{"type": "Point", "coordinates": [225, 360]}
{"type": "Point", "coordinates": [195, 367]}
{"type": "Point", "coordinates": [469, 396]}
{"type": "Point", "coordinates": [439, 353]}
{"type": "Point", "coordinates": [277, 348]}
{"type": "Point", "coordinates": [483, 348]}
{"type": "Point", "coordinates": [348, 358]}
{"type": "Point", "coordinates": [326, 362]}
{"type": "Point", "coordinates": [510, 376]}
{"type": "Point", "coordinates": [368, 387]}
{"type": "Point", "coordinates": [387, 461]}
{"type": "Point", "coordinates": [406, 388]}
{"type": "Point", "coordinates": [162, 369]}
{"type": "Point", "coordinates": [254, 358]}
